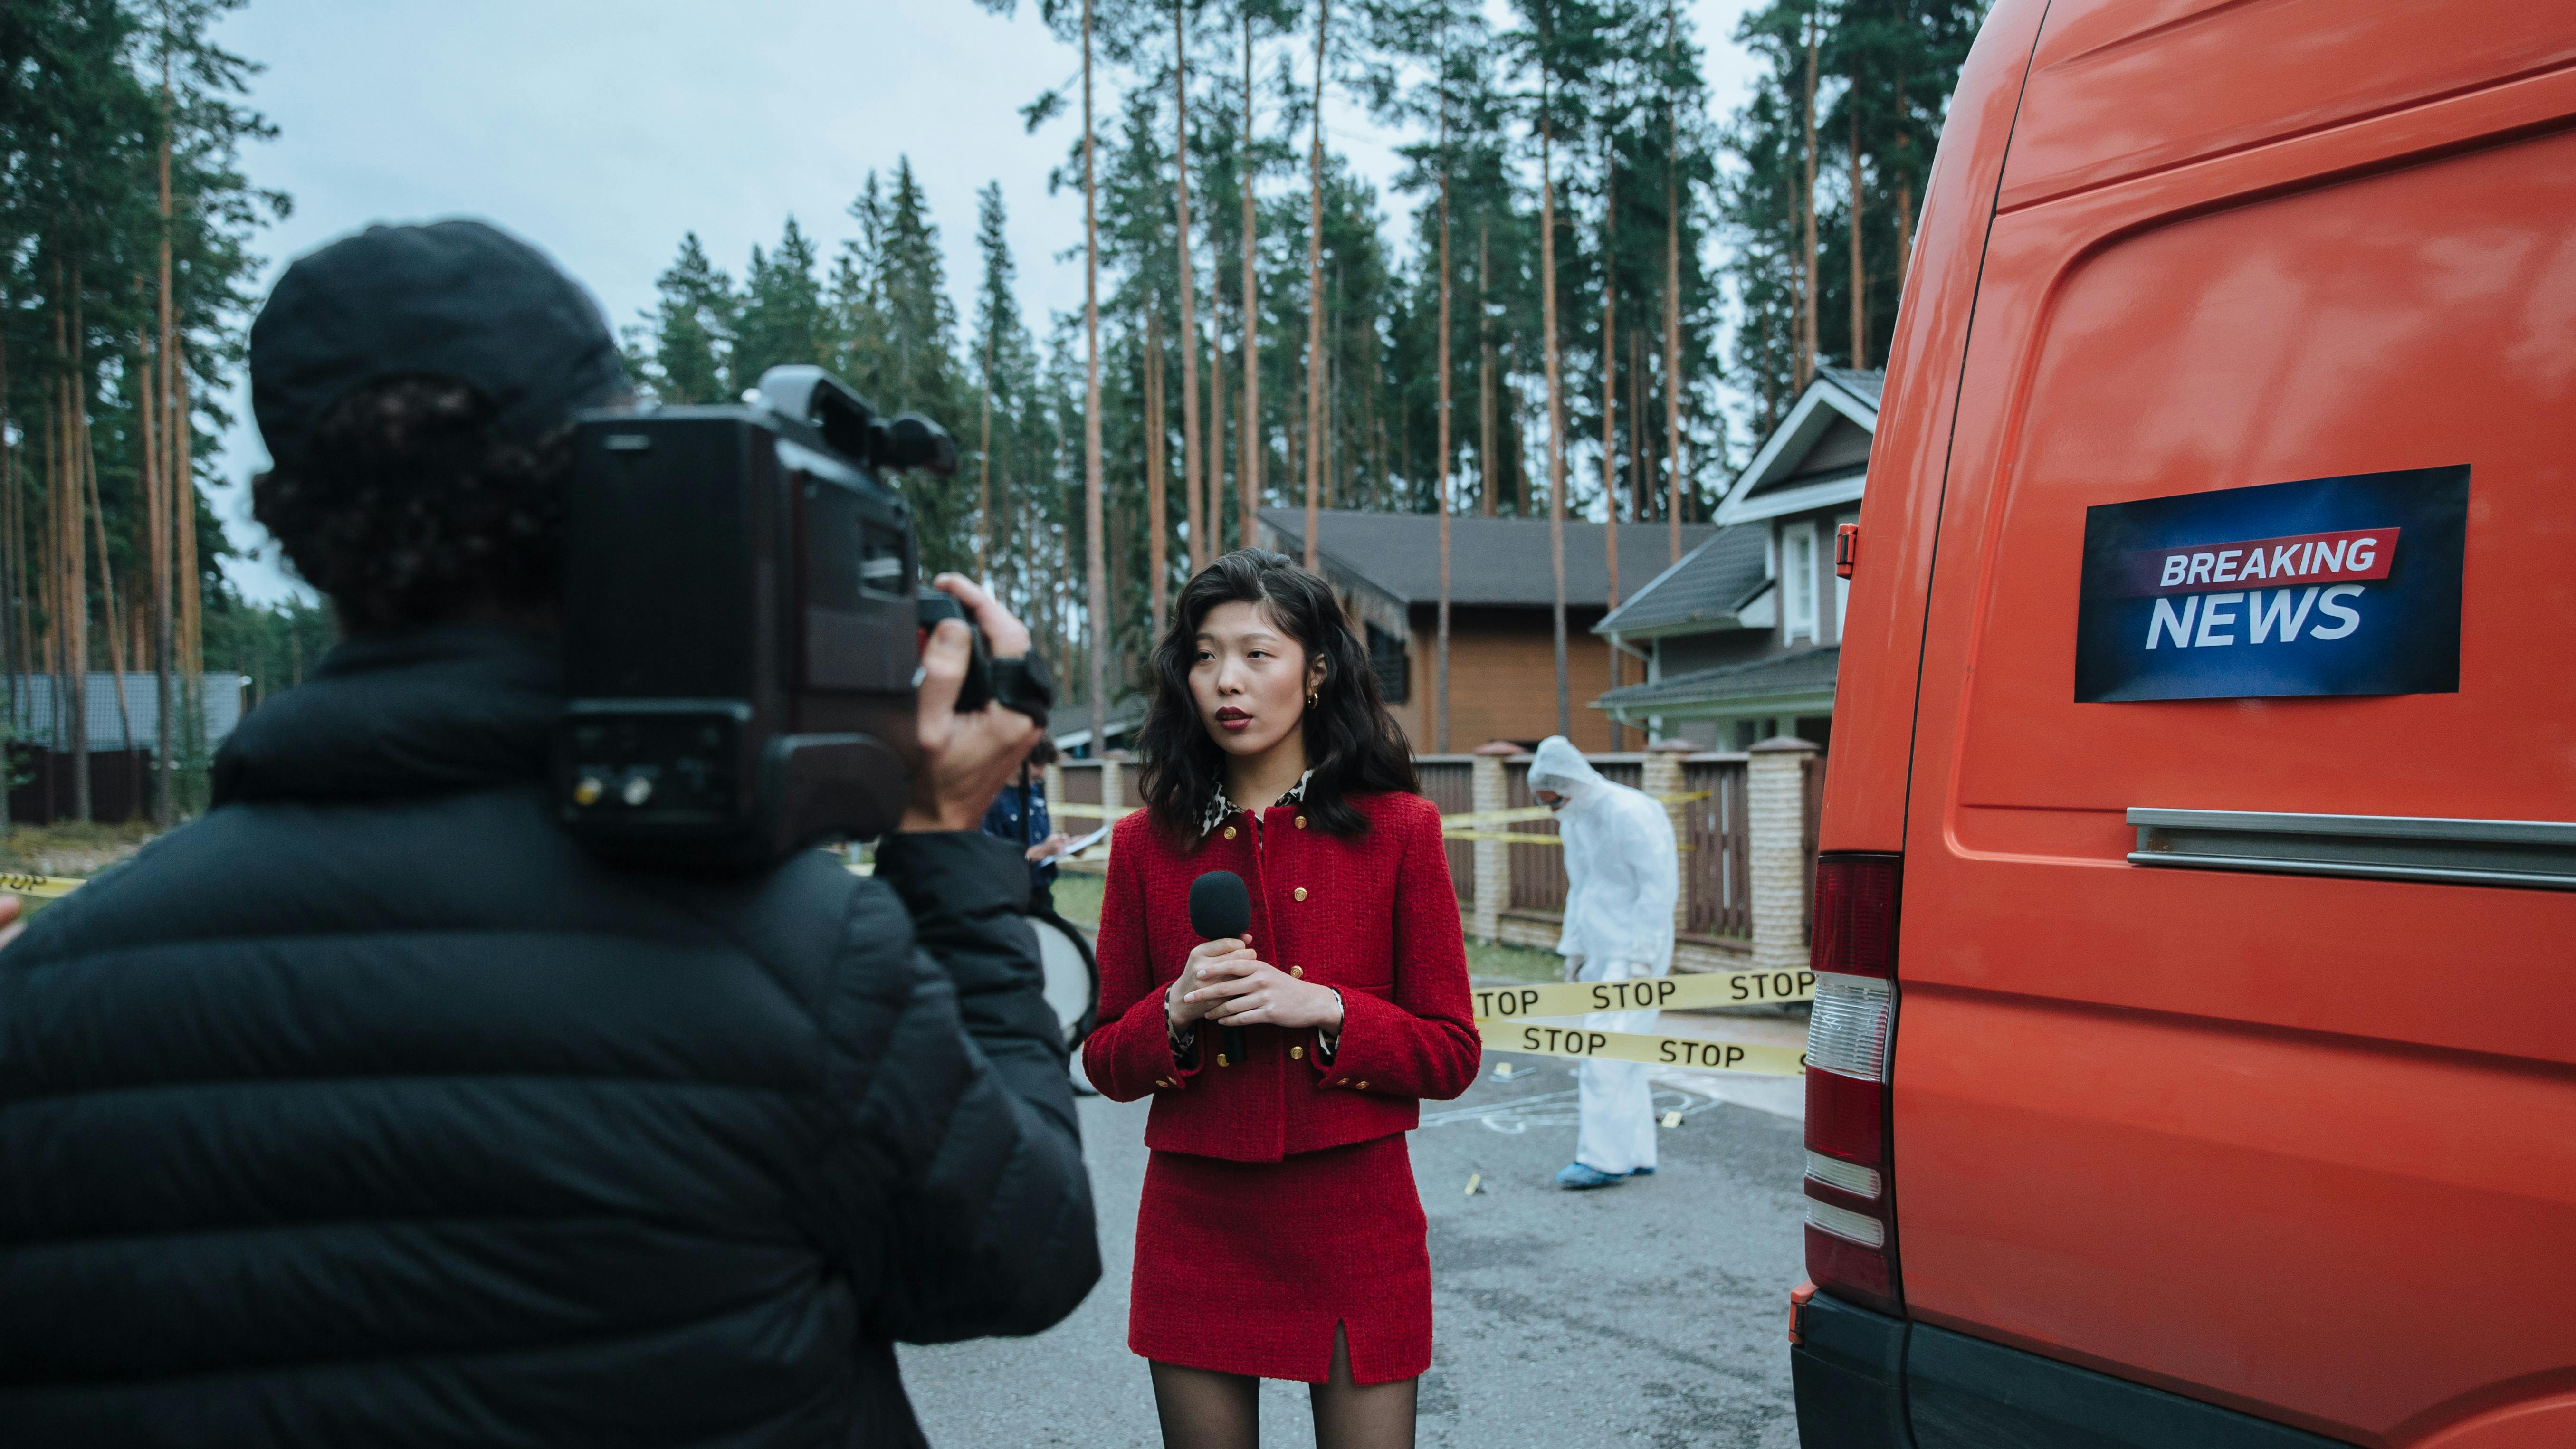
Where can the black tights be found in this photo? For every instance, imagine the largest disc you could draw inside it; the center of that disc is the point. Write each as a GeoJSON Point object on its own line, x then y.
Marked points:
{"type": "Point", "coordinates": [1202, 1409]}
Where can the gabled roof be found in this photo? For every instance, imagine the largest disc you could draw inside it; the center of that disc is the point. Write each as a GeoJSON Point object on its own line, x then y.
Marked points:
{"type": "Point", "coordinates": [1702, 592]}
{"type": "Point", "coordinates": [1858, 383]}
{"type": "Point", "coordinates": [1808, 672]}
{"type": "Point", "coordinates": [1839, 401]}
{"type": "Point", "coordinates": [1493, 561]}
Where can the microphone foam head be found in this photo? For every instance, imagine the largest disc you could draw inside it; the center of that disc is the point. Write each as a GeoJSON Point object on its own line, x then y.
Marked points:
{"type": "Point", "coordinates": [1220, 906]}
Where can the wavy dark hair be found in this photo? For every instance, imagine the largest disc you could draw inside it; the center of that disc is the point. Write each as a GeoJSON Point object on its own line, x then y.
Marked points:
{"type": "Point", "coordinates": [1352, 744]}
{"type": "Point", "coordinates": [411, 505]}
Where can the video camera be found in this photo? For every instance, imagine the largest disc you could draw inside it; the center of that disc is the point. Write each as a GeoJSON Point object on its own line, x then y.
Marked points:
{"type": "Point", "coordinates": [743, 622]}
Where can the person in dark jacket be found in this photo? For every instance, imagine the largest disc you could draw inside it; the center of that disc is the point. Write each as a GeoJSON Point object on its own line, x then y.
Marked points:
{"type": "Point", "coordinates": [370, 1110]}
{"type": "Point", "coordinates": [1019, 815]}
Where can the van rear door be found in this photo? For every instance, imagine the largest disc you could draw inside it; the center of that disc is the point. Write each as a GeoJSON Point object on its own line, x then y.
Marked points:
{"type": "Point", "coordinates": [2302, 1144]}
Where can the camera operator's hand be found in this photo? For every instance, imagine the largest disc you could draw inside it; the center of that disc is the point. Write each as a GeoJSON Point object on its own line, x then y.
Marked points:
{"type": "Point", "coordinates": [966, 759]}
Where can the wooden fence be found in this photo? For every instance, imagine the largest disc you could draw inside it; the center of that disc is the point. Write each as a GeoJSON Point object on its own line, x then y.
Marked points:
{"type": "Point", "coordinates": [1717, 872]}
{"type": "Point", "coordinates": [1715, 834]}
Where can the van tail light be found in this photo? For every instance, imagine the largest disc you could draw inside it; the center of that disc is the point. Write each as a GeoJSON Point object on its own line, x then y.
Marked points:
{"type": "Point", "coordinates": [1851, 1185]}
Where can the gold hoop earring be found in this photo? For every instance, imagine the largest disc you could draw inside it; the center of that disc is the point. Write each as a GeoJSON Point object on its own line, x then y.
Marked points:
{"type": "Point", "coordinates": [1311, 698]}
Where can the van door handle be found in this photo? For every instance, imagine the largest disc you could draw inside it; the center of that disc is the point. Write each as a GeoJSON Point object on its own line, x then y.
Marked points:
{"type": "Point", "coordinates": [2528, 853]}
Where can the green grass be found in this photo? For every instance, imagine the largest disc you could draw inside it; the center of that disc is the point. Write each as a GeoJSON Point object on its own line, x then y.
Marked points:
{"type": "Point", "coordinates": [1514, 963]}
{"type": "Point", "coordinates": [1077, 898]}
{"type": "Point", "coordinates": [27, 842]}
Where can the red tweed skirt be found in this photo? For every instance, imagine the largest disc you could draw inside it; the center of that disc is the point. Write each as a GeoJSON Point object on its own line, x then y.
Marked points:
{"type": "Point", "coordinates": [1248, 1267]}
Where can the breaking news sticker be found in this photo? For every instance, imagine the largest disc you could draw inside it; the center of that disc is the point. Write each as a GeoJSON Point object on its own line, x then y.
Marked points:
{"type": "Point", "coordinates": [2345, 585]}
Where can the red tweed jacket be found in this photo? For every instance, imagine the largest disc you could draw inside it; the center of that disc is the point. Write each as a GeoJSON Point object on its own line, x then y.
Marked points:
{"type": "Point", "coordinates": [1373, 916]}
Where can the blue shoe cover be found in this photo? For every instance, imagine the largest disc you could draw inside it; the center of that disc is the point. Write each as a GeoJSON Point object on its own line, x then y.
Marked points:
{"type": "Point", "coordinates": [1578, 1177]}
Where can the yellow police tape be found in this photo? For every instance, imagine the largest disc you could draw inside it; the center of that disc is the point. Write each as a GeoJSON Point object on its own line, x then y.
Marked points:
{"type": "Point", "coordinates": [50, 887]}
{"type": "Point", "coordinates": [1647, 993]}
{"type": "Point", "coordinates": [1540, 1039]}
{"type": "Point", "coordinates": [1502, 1014]}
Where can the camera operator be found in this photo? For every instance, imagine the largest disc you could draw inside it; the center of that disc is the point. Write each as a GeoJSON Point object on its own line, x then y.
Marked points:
{"type": "Point", "coordinates": [370, 1109]}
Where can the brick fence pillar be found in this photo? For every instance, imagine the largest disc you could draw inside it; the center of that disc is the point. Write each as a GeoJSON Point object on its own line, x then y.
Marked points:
{"type": "Point", "coordinates": [1113, 784]}
{"type": "Point", "coordinates": [1663, 780]}
{"type": "Point", "coordinates": [1775, 790]}
{"type": "Point", "coordinates": [1054, 773]}
{"type": "Point", "coordinates": [1490, 792]}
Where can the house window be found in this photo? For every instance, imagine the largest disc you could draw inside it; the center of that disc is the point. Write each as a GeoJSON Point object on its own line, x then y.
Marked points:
{"type": "Point", "coordinates": [1798, 543]}
{"type": "Point", "coordinates": [1389, 662]}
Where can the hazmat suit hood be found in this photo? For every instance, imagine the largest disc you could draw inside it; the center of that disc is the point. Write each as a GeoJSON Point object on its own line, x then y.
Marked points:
{"type": "Point", "coordinates": [1561, 768]}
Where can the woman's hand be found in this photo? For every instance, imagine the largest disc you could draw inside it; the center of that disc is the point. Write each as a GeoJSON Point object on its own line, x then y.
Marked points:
{"type": "Point", "coordinates": [1180, 1006]}
{"type": "Point", "coordinates": [1243, 990]}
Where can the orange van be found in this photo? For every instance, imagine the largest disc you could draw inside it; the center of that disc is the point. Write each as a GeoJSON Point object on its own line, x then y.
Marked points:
{"type": "Point", "coordinates": [2195, 1060]}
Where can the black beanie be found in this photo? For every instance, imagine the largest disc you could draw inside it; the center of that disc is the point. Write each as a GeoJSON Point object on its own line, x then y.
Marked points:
{"type": "Point", "coordinates": [454, 299]}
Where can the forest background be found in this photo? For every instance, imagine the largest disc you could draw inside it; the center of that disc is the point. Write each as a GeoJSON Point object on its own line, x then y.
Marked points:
{"type": "Point", "coordinates": [1702, 265]}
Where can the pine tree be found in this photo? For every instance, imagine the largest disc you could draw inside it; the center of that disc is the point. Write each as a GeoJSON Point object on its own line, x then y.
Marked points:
{"type": "Point", "coordinates": [781, 317]}
{"type": "Point", "coordinates": [693, 327]}
{"type": "Point", "coordinates": [124, 275]}
{"type": "Point", "coordinates": [1006, 365]}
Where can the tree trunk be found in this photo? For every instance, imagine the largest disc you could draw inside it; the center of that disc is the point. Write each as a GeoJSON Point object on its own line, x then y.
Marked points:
{"type": "Point", "coordinates": [115, 635]}
{"type": "Point", "coordinates": [1247, 478]}
{"type": "Point", "coordinates": [1486, 481]}
{"type": "Point", "coordinates": [984, 472]}
{"type": "Point", "coordinates": [1859, 275]}
{"type": "Point", "coordinates": [1440, 686]}
{"type": "Point", "coordinates": [1157, 471]}
{"type": "Point", "coordinates": [1192, 504]}
{"type": "Point", "coordinates": [1641, 482]}
{"type": "Point", "coordinates": [164, 802]}
{"type": "Point", "coordinates": [13, 661]}
{"type": "Point", "coordinates": [1315, 292]}
{"type": "Point", "coordinates": [1610, 405]}
{"type": "Point", "coordinates": [1555, 396]}
{"type": "Point", "coordinates": [1215, 438]}
{"type": "Point", "coordinates": [1808, 289]}
{"type": "Point", "coordinates": [192, 632]}
{"type": "Point", "coordinates": [1672, 303]}
{"type": "Point", "coordinates": [1095, 581]}
{"type": "Point", "coordinates": [67, 538]}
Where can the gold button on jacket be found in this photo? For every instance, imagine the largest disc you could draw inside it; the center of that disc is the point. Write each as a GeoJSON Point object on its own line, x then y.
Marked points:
{"type": "Point", "coordinates": [1299, 893]}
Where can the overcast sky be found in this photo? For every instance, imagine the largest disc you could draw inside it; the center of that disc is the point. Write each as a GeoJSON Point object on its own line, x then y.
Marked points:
{"type": "Point", "coordinates": [603, 131]}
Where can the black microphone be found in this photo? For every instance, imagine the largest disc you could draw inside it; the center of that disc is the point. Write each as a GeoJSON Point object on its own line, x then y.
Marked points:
{"type": "Point", "coordinates": [1220, 907]}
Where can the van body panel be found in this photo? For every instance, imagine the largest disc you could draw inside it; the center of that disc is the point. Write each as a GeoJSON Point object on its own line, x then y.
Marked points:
{"type": "Point", "coordinates": [2302, 1146]}
{"type": "Point", "coordinates": [1967, 1393]}
{"type": "Point", "coordinates": [2129, 87]}
{"type": "Point", "coordinates": [1883, 617]}
{"type": "Point", "coordinates": [2289, 1223]}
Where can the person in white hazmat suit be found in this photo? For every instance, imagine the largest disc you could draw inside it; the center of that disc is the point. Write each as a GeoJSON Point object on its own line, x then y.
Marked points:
{"type": "Point", "coordinates": [1623, 875]}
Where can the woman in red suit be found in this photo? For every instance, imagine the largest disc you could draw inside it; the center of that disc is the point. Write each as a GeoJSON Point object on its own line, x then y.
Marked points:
{"type": "Point", "coordinates": [1280, 1234]}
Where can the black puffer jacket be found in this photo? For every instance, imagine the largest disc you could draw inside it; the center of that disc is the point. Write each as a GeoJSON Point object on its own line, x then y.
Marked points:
{"type": "Point", "coordinates": [370, 1111]}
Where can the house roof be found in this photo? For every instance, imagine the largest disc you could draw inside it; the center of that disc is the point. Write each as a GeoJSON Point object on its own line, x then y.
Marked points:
{"type": "Point", "coordinates": [1817, 455]}
{"type": "Point", "coordinates": [1864, 385]}
{"type": "Point", "coordinates": [1491, 560]}
{"type": "Point", "coordinates": [1809, 671]}
{"type": "Point", "coordinates": [1707, 587]}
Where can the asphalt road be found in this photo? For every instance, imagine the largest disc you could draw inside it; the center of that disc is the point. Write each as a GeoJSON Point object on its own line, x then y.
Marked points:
{"type": "Point", "coordinates": [1651, 1313]}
